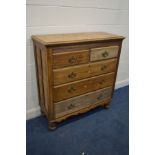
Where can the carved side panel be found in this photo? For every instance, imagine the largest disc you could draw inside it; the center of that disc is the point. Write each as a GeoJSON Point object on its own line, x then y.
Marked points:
{"type": "Point", "coordinates": [39, 75]}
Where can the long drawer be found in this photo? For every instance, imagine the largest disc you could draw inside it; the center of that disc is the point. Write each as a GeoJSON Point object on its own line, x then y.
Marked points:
{"type": "Point", "coordinates": [66, 91]}
{"type": "Point", "coordinates": [70, 74]}
{"type": "Point", "coordinates": [102, 53]}
{"type": "Point", "coordinates": [71, 105]}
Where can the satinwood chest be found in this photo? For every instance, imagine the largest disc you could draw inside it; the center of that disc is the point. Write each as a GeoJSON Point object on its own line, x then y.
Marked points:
{"type": "Point", "coordinates": [75, 72]}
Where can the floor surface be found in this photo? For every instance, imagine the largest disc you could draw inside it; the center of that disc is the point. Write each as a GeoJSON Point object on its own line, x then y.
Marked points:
{"type": "Point", "coordinates": [98, 132]}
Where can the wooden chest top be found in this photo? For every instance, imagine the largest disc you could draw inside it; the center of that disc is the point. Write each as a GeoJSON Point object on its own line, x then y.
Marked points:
{"type": "Point", "coordinates": [53, 39]}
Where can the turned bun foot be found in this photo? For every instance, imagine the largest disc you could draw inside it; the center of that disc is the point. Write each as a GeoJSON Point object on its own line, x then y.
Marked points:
{"type": "Point", "coordinates": [52, 126]}
{"type": "Point", "coordinates": [106, 106]}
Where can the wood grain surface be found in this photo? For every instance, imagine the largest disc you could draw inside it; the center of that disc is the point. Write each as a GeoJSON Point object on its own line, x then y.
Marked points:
{"type": "Point", "coordinates": [70, 58]}
{"type": "Point", "coordinates": [103, 53]}
{"type": "Point", "coordinates": [65, 91]}
{"type": "Point", "coordinates": [53, 39]}
{"type": "Point", "coordinates": [70, 105]}
{"type": "Point", "coordinates": [75, 72]}
{"type": "Point", "coordinates": [69, 74]}
{"type": "Point", "coordinates": [83, 110]}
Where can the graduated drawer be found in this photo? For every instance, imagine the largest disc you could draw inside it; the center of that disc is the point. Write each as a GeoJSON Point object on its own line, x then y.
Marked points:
{"type": "Point", "coordinates": [70, 74]}
{"type": "Point", "coordinates": [64, 59]}
{"type": "Point", "coordinates": [66, 91]}
{"type": "Point", "coordinates": [102, 53]}
{"type": "Point", "coordinates": [74, 104]}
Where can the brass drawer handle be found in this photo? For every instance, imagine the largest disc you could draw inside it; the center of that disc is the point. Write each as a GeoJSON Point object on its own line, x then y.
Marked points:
{"type": "Point", "coordinates": [72, 75]}
{"type": "Point", "coordinates": [101, 82]}
{"type": "Point", "coordinates": [105, 54]}
{"type": "Point", "coordinates": [71, 89]}
{"type": "Point", "coordinates": [71, 106]}
{"type": "Point", "coordinates": [103, 67]}
{"type": "Point", "coordinates": [72, 60]}
{"type": "Point", "coordinates": [100, 97]}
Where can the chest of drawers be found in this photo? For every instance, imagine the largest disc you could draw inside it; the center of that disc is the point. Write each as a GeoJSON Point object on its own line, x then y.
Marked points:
{"type": "Point", "coordinates": [75, 72]}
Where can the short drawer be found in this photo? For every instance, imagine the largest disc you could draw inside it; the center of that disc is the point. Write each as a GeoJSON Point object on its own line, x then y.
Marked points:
{"type": "Point", "coordinates": [71, 105]}
{"type": "Point", "coordinates": [103, 53]}
{"type": "Point", "coordinates": [70, 58]}
{"type": "Point", "coordinates": [83, 86]}
{"type": "Point", "coordinates": [70, 74]}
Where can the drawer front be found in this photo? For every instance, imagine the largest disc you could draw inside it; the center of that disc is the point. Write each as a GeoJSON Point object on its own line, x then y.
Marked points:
{"type": "Point", "coordinates": [103, 53]}
{"type": "Point", "coordinates": [70, 58]}
{"type": "Point", "coordinates": [70, 74]}
{"type": "Point", "coordinates": [80, 87]}
{"type": "Point", "coordinates": [71, 105]}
